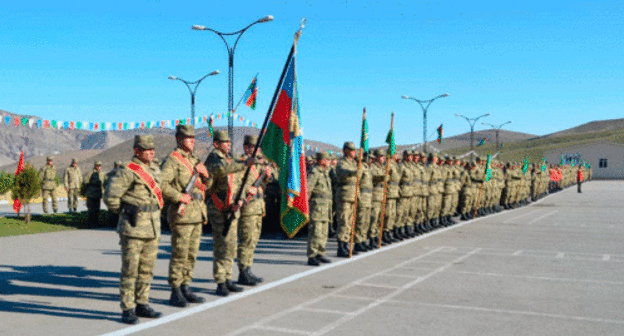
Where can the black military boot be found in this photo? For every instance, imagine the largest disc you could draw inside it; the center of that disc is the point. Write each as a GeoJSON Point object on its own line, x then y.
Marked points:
{"type": "Point", "coordinates": [385, 238]}
{"type": "Point", "coordinates": [129, 317]}
{"type": "Point", "coordinates": [313, 262]}
{"type": "Point", "coordinates": [143, 310]}
{"type": "Point", "coordinates": [253, 276]}
{"type": "Point", "coordinates": [232, 287]}
{"type": "Point", "coordinates": [177, 299]}
{"type": "Point", "coordinates": [245, 279]}
{"type": "Point", "coordinates": [373, 242]}
{"type": "Point", "coordinates": [451, 220]}
{"type": "Point", "coordinates": [343, 250]}
{"type": "Point", "coordinates": [222, 289]}
{"type": "Point", "coordinates": [190, 296]}
{"type": "Point", "coordinates": [358, 247]}
{"type": "Point", "coordinates": [322, 259]}
{"type": "Point", "coordinates": [366, 245]}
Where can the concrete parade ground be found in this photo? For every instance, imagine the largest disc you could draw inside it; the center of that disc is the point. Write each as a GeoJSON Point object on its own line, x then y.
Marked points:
{"type": "Point", "coordinates": [555, 267]}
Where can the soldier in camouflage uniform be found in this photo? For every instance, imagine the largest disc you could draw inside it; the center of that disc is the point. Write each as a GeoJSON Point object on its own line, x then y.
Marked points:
{"type": "Point", "coordinates": [436, 186]}
{"type": "Point", "coordinates": [95, 187]}
{"type": "Point", "coordinates": [186, 213]}
{"type": "Point", "coordinates": [134, 193]}
{"type": "Point", "coordinates": [364, 204]}
{"type": "Point", "coordinates": [378, 174]}
{"type": "Point", "coordinates": [468, 192]}
{"type": "Point", "coordinates": [320, 199]}
{"type": "Point", "coordinates": [223, 170]}
{"type": "Point", "coordinates": [73, 181]}
{"type": "Point", "coordinates": [346, 173]}
{"type": "Point", "coordinates": [112, 217]}
{"type": "Point", "coordinates": [404, 202]}
{"type": "Point", "coordinates": [48, 177]}
{"type": "Point", "coordinates": [250, 223]}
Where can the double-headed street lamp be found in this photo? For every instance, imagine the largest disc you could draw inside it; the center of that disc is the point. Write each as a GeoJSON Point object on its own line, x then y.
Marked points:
{"type": "Point", "coordinates": [497, 129]}
{"type": "Point", "coordinates": [425, 108]}
{"type": "Point", "coordinates": [193, 90]}
{"type": "Point", "coordinates": [472, 122]}
{"type": "Point", "coordinates": [231, 64]}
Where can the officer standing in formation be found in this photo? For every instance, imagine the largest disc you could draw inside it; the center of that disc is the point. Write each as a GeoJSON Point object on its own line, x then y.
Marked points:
{"type": "Point", "coordinates": [49, 176]}
{"type": "Point", "coordinates": [95, 187]}
{"type": "Point", "coordinates": [346, 173]}
{"type": "Point", "coordinates": [134, 194]}
{"type": "Point", "coordinates": [73, 181]}
{"type": "Point", "coordinates": [186, 214]}
{"type": "Point", "coordinates": [320, 198]}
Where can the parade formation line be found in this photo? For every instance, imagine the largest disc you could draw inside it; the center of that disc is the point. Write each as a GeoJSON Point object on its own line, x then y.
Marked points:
{"type": "Point", "coordinates": [209, 305]}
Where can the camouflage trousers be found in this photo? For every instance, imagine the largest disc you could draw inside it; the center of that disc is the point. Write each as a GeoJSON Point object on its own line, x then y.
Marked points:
{"type": "Point", "coordinates": [317, 237]}
{"type": "Point", "coordinates": [344, 217]}
{"type": "Point", "coordinates": [455, 203]}
{"type": "Point", "coordinates": [45, 194]}
{"type": "Point", "coordinates": [434, 204]}
{"type": "Point", "coordinates": [249, 229]}
{"type": "Point", "coordinates": [466, 200]}
{"type": "Point", "coordinates": [374, 220]}
{"type": "Point", "coordinates": [72, 198]}
{"type": "Point", "coordinates": [225, 247]}
{"type": "Point", "coordinates": [138, 259]}
{"type": "Point", "coordinates": [391, 214]}
{"type": "Point", "coordinates": [93, 205]}
{"type": "Point", "coordinates": [403, 209]}
{"type": "Point", "coordinates": [185, 239]}
{"type": "Point", "coordinates": [362, 223]}
{"type": "Point", "coordinates": [447, 205]}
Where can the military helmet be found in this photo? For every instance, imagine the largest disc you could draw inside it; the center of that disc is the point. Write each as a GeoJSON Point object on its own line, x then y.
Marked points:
{"type": "Point", "coordinates": [221, 136]}
{"type": "Point", "coordinates": [322, 156]}
{"type": "Point", "coordinates": [250, 140]}
{"type": "Point", "coordinates": [144, 141]}
{"type": "Point", "coordinates": [185, 131]}
{"type": "Point", "coordinates": [349, 145]}
{"type": "Point", "coordinates": [98, 163]}
{"type": "Point", "coordinates": [49, 158]}
{"type": "Point", "coordinates": [379, 152]}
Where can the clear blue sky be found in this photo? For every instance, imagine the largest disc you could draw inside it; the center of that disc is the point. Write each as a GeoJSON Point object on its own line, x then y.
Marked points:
{"type": "Point", "coordinates": [543, 65]}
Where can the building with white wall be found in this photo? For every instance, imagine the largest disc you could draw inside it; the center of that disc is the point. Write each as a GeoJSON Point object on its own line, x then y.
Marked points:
{"type": "Point", "coordinates": [605, 158]}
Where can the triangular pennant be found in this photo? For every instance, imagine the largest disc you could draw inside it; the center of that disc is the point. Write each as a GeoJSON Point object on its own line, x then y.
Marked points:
{"type": "Point", "coordinates": [31, 121]}
{"type": "Point", "coordinates": [39, 123]}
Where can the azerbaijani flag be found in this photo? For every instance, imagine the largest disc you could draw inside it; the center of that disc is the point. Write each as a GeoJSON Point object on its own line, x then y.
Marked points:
{"type": "Point", "coordinates": [283, 144]}
{"type": "Point", "coordinates": [482, 141]}
{"type": "Point", "coordinates": [251, 94]}
{"type": "Point", "coordinates": [440, 134]}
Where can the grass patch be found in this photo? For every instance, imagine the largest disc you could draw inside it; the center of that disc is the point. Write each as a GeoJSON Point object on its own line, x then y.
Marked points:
{"type": "Point", "coordinates": [47, 223]}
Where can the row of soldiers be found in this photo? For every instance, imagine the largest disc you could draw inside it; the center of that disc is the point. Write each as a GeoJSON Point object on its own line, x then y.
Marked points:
{"type": "Point", "coordinates": [376, 202]}
{"type": "Point", "coordinates": [190, 193]}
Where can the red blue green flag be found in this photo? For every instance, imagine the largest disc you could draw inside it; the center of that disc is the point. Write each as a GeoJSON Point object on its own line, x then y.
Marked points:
{"type": "Point", "coordinates": [283, 144]}
{"type": "Point", "coordinates": [251, 94]}
{"type": "Point", "coordinates": [482, 141]}
{"type": "Point", "coordinates": [440, 134]}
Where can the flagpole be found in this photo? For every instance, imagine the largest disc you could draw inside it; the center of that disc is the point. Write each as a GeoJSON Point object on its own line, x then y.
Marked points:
{"type": "Point", "coordinates": [357, 191]}
{"type": "Point", "coordinates": [230, 215]}
{"type": "Point", "coordinates": [385, 190]}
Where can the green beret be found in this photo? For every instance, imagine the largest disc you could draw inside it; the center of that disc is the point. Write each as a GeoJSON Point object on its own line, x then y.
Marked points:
{"type": "Point", "coordinates": [185, 131]}
{"type": "Point", "coordinates": [222, 136]}
{"type": "Point", "coordinates": [250, 140]}
{"type": "Point", "coordinates": [144, 141]}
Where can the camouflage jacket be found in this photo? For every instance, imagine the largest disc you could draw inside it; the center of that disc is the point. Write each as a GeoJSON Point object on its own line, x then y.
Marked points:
{"type": "Point", "coordinates": [378, 175]}
{"type": "Point", "coordinates": [95, 184]}
{"type": "Point", "coordinates": [346, 172]}
{"type": "Point", "coordinates": [72, 178]}
{"type": "Point", "coordinates": [127, 190]}
{"type": "Point", "coordinates": [406, 185]}
{"type": "Point", "coordinates": [175, 176]}
{"type": "Point", "coordinates": [256, 205]}
{"type": "Point", "coordinates": [366, 187]}
{"type": "Point", "coordinates": [421, 180]}
{"type": "Point", "coordinates": [320, 194]}
{"type": "Point", "coordinates": [223, 189]}
{"type": "Point", "coordinates": [394, 179]}
{"type": "Point", "coordinates": [48, 176]}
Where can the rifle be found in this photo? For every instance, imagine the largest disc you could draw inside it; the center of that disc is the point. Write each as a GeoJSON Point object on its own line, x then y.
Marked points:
{"type": "Point", "coordinates": [191, 184]}
{"type": "Point", "coordinates": [260, 182]}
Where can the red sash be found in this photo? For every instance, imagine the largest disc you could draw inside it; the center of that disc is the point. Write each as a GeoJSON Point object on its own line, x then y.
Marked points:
{"type": "Point", "coordinates": [184, 161]}
{"type": "Point", "coordinates": [149, 180]}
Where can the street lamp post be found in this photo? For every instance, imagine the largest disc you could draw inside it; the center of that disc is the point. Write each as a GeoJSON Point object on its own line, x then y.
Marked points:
{"type": "Point", "coordinates": [472, 122]}
{"type": "Point", "coordinates": [425, 108]}
{"type": "Point", "coordinates": [193, 90]}
{"type": "Point", "coordinates": [230, 51]}
{"type": "Point", "coordinates": [497, 129]}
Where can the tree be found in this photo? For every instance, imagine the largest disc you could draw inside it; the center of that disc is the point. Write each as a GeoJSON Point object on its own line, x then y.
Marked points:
{"type": "Point", "coordinates": [6, 182]}
{"type": "Point", "coordinates": [26, 186]}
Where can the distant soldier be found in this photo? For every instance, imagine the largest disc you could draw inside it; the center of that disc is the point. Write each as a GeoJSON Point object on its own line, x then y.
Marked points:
{"type": "Point", "coordinates": [579, 178]}
{"type": "Point", "coordinates": [378, 174]}
{"type": "Point", "coordinates": [320, 198]}
{"type": "Point", "coordinates": [346, 172]}
{"type": "Point", "coordinates": [364, 204]}
{"type": "Point", "coordinates": [252, 212]}
{"type": "Point", "coordinates": [223, 169]}
{"type": "Point", "coordinates": [186, 213]}
{"type": "Point", "coordinates": [95, 187]}
{"type": "Point", "coordinates": [112, 217]}
{"type": "Point", "coordinates": [72, 181]}
{"type": "Point", "coordinates": [134, 193]}
{"type": "Point", "coordinates": [49, 176]}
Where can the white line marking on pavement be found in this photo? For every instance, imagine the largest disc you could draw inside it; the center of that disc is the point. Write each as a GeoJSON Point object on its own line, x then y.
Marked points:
{"type": "Point", "coordinates": [417, 268]}
{"type": "Point", "coordinates": [559, 255]}
{"type": "Point", "coordinates": [209, 305]}
{"type": "Point", "coordinates": [514, 218]}
{"type": "Point", "coordinates": [606, 257]}
{"type": "Point", "coordinates": [351, 297]}
{"type": "Point", "coordinates": [329, 311]}
{"type": "Point", "coordinates": [505, 311]}
{"type": "Point", "coordinates": [285, 330]}
{"type": "Point", "coordinates": [402, 275]}
{"type": "Point", "coordinates": [544, 216]}
{"type": "Point", "coordinates": [377, 285]}
{"type": "Point", "coordinates": [540, 278]}
{"type": "Point", "coordinates": [517, 253]}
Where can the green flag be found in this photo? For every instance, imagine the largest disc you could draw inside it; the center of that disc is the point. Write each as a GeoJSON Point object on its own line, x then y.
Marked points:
{"type": "Point", "coordinates": [543, 164]}
{"type": "Point", "coordinates": [488, 168]}
{"type": "Point", "coordinates": [364, 140]}
{"type": "Point", "coordinates": [525, 165]}
{"type": "Point", "coordinates": [562, 163]}
{"type": "Point", "coordinates": [390, 142]}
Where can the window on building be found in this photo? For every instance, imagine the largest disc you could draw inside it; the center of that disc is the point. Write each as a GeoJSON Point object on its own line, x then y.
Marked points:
{"type": "Point", "coordinates": [602, 163]}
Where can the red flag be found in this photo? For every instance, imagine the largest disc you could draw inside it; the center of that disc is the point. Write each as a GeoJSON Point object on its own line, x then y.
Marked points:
{"type": "Point", "coordinates": [17, 205]}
